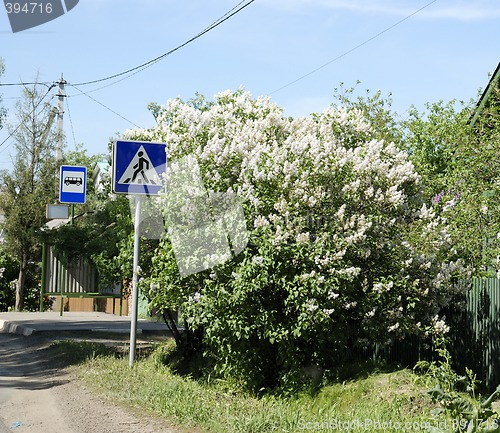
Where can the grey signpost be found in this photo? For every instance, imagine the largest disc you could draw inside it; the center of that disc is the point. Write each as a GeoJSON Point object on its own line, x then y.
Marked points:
{"type": "Point", "coordinates": [135, 278]}
{"type": "Point", "coordinates": [137, 170]}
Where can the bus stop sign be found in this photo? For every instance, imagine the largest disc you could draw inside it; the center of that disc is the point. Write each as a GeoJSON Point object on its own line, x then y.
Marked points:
{"type": "Point", "coordinates": [72, 184]}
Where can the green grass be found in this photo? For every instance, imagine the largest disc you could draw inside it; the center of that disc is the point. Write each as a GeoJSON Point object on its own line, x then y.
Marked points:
{"type": "Point", "coordinates": [378, 402]}
{"type": "Point", "coordinates": [64, 353]}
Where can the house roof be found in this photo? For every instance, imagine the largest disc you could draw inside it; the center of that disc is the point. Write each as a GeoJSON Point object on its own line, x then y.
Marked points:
{"type": "Point", "coordinates": [56, 223]}
{"type": "Point", "coordinates": [483, 100]}
{"type": "Point", "coordinates": [102, 165]}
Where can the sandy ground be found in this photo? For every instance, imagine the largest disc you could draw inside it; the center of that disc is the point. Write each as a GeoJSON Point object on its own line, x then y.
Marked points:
{"type": "Point", "coordinates": [35, 398]}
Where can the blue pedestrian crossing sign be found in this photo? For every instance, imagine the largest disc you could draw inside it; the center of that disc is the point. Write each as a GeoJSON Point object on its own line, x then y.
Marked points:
{"type": "Point", "coordinates": [72, 184]}
{"type": "Point", "coordinates": [138, 167]}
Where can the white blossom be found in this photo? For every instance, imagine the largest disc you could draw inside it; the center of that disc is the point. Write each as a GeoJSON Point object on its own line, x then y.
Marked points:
{"type": "Point", "coordinates": [371, 313]}
{"type": "Point", "coordinates": [312, 305]}
{"type": "Point", "coordinates": [195, 298]}
{"type": "Point", "coordinates": [393, 328]}
{"type": "Point", "coordinates": [350, 305]}
{"type": "Point", "coordinates": [450, 204]}
{"type": "Point", "coordinates": [302, 238]}
{"type": "Point", "coordinates": [332, 295]}
{"type": "Point", "coordinates": [260, 221]}
{"type": "Point", "coordinates": [439, 326]}
{"type": "Point", "coordinates": [326, 165]}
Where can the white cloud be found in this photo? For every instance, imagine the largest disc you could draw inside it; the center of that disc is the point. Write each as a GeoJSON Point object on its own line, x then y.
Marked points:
{"type": "Point", "coordinates": [447, 9]}
{"type": "Point", "coordinates": [465, 11]}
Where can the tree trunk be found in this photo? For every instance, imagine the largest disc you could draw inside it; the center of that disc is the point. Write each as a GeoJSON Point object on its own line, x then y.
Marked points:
{"type": "Point", "coordinates": [168, 317]}
{"type": "Point", "coordinates": [23, 272]}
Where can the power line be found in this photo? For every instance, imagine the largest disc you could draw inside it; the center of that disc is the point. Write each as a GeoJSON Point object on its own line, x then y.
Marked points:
{"type": "Point", "coordinates": [26, 84]}
{"type": "Point", "coordinates": [31, 114]}
{"type": "Point", "coordinates": [354, 48]}
{"type": "Point", "coordinates": [70, 121]}
{"type": "Point", "coordinates": [236, 9]}
{"type": "Point", "coordinates": [112, 83]}
{"type": "Point", "coordinates": [104, 106]}
{"type": "Point", "coordinates": [133, 71]}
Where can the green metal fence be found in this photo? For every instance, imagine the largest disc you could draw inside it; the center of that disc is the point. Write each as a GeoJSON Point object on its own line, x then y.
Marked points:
{"type": "Point", "coordinates": [474, 335]}
{"type": "Point", "coordinates": [76, 279]}
{"type": "Point", "coordinates": [475, 332]}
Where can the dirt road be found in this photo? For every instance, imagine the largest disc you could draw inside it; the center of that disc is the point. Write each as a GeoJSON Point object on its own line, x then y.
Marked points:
{"type": "Point", "coordinates": [35, 397]}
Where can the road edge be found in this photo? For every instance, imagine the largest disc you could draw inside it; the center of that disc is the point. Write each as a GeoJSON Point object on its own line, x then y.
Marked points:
{"type": "Point", "coordinates": [7, 327]}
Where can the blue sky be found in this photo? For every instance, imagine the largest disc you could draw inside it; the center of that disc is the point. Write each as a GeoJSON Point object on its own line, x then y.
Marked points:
{"type": "Point", "coordinates": [441, 53]}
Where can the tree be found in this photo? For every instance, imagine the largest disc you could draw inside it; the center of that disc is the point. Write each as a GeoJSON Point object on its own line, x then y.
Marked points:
{"type": "Point", "coordinates": [459, 167]}
{"type": "Point", "coordinates": [477, 179]}
{"type": "Point", "coordinates": [431, 138]}
{"type": "Point", "coordinates": [375, 107]}
{"type": "Point", "coordinates": [9, 273]}
{"type": "Point", "coordinates": [342, 248]}
{"type": "Point", "coordinates": [32, 183]}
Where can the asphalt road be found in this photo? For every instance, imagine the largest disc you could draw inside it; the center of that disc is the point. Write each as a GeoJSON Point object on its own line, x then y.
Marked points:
{"type": "Point", "coordinates": [28, 323]}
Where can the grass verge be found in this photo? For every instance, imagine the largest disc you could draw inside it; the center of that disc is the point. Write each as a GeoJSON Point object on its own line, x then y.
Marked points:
{"type": "Point", "coordinates": [380, 402]}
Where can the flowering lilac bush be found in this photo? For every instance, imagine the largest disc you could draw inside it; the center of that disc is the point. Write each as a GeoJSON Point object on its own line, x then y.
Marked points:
{"type": "Point", "coordinates": [341, 249]}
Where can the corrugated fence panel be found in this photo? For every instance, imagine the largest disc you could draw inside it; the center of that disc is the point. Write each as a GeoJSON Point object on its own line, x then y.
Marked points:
{"type": "Point", "coordinates": [474, 335]}
{"type": "Point", "coordinates": [75, 277]}
{"type": "Point", "coordinates": [475, 332]}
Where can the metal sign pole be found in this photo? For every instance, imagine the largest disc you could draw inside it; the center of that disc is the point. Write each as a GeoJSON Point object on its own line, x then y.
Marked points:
{"type": "Point", "coordinates": [137, 170]}
{"type": "Point", "coordinates": [135, 277]}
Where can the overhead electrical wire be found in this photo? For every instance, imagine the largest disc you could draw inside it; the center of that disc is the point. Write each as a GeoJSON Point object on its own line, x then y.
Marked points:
{"type": "Point", "coordinates": [71, 122]}
{"type": "Point", "coordinates": [26, 84]}
{"type": "Point", "coordinates": [136, 69]}
{"type": "Point", "coordinates": [31, 114]}
{"type": "Point", "coordinates": [235, 10]}
{"type": "Point", "coordinates": [354, 48]}
{"type": "Point", "coordinates": [106, 107]}
{"type": "Point", "coordinates": [139, 68]}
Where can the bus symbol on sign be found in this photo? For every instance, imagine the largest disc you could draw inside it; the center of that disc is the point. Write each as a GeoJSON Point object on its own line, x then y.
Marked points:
{"type": "Point", "coordinates": [72, 184]}
{"type": "Point", "coordinates": [73, 181]}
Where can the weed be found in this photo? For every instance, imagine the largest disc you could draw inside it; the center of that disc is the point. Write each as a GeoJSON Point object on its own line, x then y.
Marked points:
{"type": "Point", "coordinates": [456, 396]}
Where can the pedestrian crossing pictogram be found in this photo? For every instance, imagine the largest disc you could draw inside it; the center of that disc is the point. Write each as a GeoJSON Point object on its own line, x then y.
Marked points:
{"type": "Point", "coordinates": [138, 166]}
{"type": "Point", "coordinates": [140, 171]}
